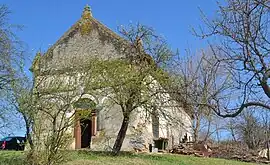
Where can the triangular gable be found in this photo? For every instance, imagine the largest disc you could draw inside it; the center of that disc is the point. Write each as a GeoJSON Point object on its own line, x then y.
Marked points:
{"type": "Point", "coordinates": [81, 32]}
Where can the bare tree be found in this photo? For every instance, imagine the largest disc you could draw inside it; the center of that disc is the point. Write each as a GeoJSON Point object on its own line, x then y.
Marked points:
{"type": "Point", "coordinates": [11, 66]}
{"type": "Point", "coordinates": [266, 126]}
{"type": "Point", "coordinates": [19, 100]}
{"type": "Point", "coordinates": [11, 52]}
{"type": "Point", "coordinates": [199, 80]}
{"type": "Point", "coordinates": [52, 119]}
{"type": "Point", "coordinates": [251, 128]}
{"type": "Point", "coordinates": [231, 127]}
{"type": "Point", "coordinates": [243, 29]}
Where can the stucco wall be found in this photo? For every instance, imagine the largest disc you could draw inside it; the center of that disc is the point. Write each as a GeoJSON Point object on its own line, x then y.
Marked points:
{"type": "Point", "coordinates": [73, 53]}
{"type": "Point", "coordinates": [140, 133]}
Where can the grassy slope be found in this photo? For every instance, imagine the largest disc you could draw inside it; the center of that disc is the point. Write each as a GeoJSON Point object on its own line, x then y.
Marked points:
{"type": "Point", "coordinates": [85, 158]}
{"type": "Point", "coordinates": [147, 159]}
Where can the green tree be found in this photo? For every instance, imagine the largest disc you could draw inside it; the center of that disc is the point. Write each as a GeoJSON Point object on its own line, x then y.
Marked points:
{"type": "Point", "coordinates": [134, 81]}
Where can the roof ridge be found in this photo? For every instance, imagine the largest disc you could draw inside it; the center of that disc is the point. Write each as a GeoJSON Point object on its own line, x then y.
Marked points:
{"type": "Point", "coordinates": [64, 36]}
{"type": "Point", "coordinates": [76, 27]}
{"type": "Point", "coordinates": [108, 30]}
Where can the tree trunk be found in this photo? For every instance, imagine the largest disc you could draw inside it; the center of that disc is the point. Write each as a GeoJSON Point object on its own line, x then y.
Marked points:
{"type": "Point", "coordinates": [121, 136]}
{"type": "Point", "coordinates": [268, 151]}
{"type": "Point", "coordinates": [196, 128]}
{"type": "Point", "coordinates": [208, 132]}
{"type": "Point", "coordinates": [233, 134]}
{"type": "Point", "coordinates": [28, 133]}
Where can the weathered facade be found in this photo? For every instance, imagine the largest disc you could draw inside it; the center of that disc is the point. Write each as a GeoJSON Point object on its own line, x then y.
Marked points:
{"type": "Point", "coordinates": [65, 59]}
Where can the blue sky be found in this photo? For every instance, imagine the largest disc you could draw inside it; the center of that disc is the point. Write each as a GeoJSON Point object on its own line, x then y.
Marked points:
{"type": "Point", "coordinates": [45, 21]}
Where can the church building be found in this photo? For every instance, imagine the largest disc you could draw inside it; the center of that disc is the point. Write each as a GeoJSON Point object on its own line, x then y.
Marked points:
{"type": "Point", "coordinates": [86, 39]}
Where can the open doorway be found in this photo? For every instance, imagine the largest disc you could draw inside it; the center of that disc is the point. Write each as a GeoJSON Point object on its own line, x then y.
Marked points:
{"type": "Point", "coordinates": [86, 129]}
{"type": "Point", "coordinates": [85, 125]}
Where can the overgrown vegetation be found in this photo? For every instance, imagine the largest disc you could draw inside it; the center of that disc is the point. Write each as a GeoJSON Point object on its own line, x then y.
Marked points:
{"type": "Point", "coordinates": [99, 158]}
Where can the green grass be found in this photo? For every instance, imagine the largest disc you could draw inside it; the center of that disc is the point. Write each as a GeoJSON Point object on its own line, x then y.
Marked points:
{"type": "Point", "coordinates": [85, 158]}
{"type": "Point", "coordinates": [11, 158]}
{"type": "Point", "coordinates": [99, 158]}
